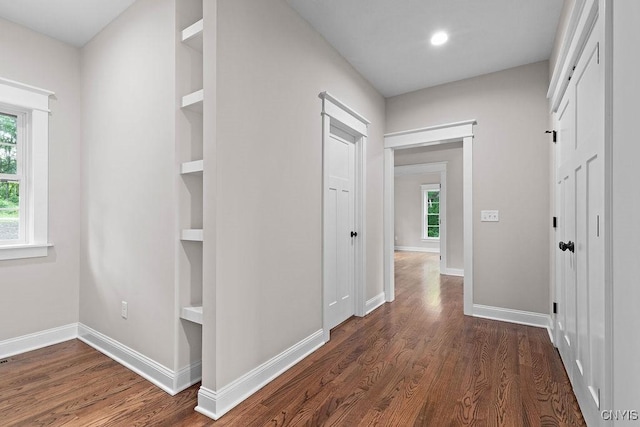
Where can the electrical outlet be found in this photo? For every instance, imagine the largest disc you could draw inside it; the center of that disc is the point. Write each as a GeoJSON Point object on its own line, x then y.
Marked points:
{"type": "Point", "coordinates": [489, 216]}
{"type": "Point", "coordinates": [124, 310]}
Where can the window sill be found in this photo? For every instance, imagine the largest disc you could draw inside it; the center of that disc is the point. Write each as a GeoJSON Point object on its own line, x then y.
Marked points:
{"type": "Point", "coordinates": [35, 250]}
{"type": "Point", "coordinates": [430, 239]}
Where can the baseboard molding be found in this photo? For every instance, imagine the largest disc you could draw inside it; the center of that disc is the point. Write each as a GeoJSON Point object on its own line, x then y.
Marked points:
{"type": "Point", "coordinates": [37, 340]}
{"type": "Point", "coordinates": [187, 376]}
{"type": "Point", "coordinates": [528, 318]}
{"type": "Point", "coordinates": [453, 272]}
{"type": "Point", "coordinates": [550, 329]}
{"type": "Point", "coordinates": [417, 249]}
{"type": "Point", "coordinates": [142, 365]}
{"type": "Point", "coordinates": [375, 302]}
{"type": "Point", "coordinates": [215, 404]}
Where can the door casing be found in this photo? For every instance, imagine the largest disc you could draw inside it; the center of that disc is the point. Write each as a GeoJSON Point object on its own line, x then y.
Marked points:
{"type": "Point", "coordinates": [337, 114]}
{"type": "Point", "coordinates": [433, 135]}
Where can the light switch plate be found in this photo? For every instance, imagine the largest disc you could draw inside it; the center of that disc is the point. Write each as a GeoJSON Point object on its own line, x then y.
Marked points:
{"type": "Point", "coordinates": [489, 216]}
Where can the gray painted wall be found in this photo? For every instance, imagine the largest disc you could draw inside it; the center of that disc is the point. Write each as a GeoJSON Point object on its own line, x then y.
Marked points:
{"type": "Point", "coordinates": [42, 293]}
{"type": "Point", "coordinates": [271, 67]}
{"type": "Point", "coordinates": [511, 174]}
{"type": "Point", "coordinates": [129, 228]}
{"type": "Point", "coordinates": [452, 154]}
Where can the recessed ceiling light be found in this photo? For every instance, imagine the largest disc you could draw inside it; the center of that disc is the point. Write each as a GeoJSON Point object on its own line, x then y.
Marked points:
{"type": "Point", "coordinates": [439, 38]}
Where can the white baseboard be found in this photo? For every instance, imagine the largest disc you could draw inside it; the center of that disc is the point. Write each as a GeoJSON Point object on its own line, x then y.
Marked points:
{"type": "Point", "coordinates": [528, 318]}
{"type": "Point", "coordinates": [37, 340]}
{"type": "Point", "coordinates": [215, 404]}
{"type": "Point", "coordinates": [550, 328]}
{"type": "Point", "coordinates": [375, 302]}
{"type": "Point", "coordinates": [453, 272]}
{"type": "Point", "coordinates": [417, 249]}
{"type": "Point", "coordinates": [187, 376]}
{"type": "Point", "coordinates": [142, 365]}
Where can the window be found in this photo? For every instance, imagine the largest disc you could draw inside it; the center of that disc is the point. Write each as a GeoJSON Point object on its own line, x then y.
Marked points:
{"type": "Point", "coordinates": [430, 211]}
{"type": "Point", "coordinates": [11, 178]}
{"type": "Point", "coordinates": [24, 169]}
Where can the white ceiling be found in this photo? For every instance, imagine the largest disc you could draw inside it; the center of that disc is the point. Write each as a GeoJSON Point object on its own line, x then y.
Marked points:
{"type": "Point", "coordinates": [72, 21]}
{"type": "Point", "coordinates": [387, 41]}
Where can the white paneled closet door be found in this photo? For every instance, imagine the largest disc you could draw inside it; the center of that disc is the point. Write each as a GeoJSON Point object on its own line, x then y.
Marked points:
{"type": "Point", "coordinates": [580, 279]}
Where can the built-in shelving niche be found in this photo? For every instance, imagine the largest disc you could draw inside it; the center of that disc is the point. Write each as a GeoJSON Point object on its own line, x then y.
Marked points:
{"type": "Point", "coordinates": [190, 172]}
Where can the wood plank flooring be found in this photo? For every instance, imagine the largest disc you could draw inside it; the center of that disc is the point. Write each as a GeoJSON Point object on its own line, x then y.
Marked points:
{"type": "Point", "coordinates": [415, 362]}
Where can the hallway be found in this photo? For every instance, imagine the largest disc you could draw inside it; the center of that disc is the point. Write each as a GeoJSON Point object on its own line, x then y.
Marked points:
{"type": "Point", "coordinates": [417, 361]}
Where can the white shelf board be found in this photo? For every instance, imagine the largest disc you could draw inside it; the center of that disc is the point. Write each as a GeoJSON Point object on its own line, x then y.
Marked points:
{"type": "Point", "coordinates": [192, 35]}
{"type": "Point", "coordinates": [192, 235]}
{"type": "Point", "coordinates": [193, 314]}
{"type": "Point", "coordinates": [193, 101]}
{"type": "Point", "coordinates": [195, 167]}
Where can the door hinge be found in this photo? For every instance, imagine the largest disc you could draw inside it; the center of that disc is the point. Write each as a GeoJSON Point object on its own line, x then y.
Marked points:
{"type": "Point", "coordinates": [554, 134]}
{"type": "Point", "coordinates": [572, 70]}
{"type": "Point", "coordinates": [555, 222]}
{"type": "Point", "coordinates": [555, 308]}
{"type": "Point", "coordinates": [440, 257]}
{"type": "Point", "coordinates": [597, 225]}
{"type": "Point", "coordinates": [598, 51]}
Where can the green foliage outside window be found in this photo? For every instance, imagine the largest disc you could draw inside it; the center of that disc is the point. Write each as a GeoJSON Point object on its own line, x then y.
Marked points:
{"type": "Point", "coordinates": [9, 190]}
{"type": "Point", "coordinates": [433, 214]}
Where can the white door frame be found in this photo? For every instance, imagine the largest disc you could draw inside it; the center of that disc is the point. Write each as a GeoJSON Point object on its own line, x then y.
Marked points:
{"type": "Point", "coordinates": [336, 113]}
{"type": "Point", "coordinates": [433, 135]}
{"type": "Point", "coordinates": [439, 168]}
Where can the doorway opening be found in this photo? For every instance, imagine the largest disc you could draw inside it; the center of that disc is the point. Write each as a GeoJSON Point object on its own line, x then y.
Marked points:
{"type": "Point", "coordinates": [459, 132]}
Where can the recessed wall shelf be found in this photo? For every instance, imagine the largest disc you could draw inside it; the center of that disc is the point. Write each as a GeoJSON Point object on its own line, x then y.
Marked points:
{"type": "Point", "coordinates": [192, 235]}
{"type": "Point", "coordinates": [196, 167]}
{"type": "Point", "coordinates": [193, 101]}
{"type": "Point", "coordinates": [192, 35]}
{"type": "Point", "coordinates": [192, 314]}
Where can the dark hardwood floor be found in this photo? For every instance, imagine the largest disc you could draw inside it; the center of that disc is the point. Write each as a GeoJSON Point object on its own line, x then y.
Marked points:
{"type": "Point", "coordinates": [416, 362]}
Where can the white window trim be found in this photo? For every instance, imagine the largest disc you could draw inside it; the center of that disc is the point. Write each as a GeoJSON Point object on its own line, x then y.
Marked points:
{"type": "Point", "coordinates": [33, 104]}
{"type": "Point", "coordinates": [425, 188]}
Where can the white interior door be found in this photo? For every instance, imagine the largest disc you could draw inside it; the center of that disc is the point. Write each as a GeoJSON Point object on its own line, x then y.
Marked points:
{"type": "Point", "coordinates": [340, 222]}
{"type": "Point", "coordinates": [580, 246]}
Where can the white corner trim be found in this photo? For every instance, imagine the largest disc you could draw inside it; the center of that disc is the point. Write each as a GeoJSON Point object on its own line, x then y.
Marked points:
{"type": "Point", "coordinates": [35, 341]}
{"type": "Point", "coordinates": [375, 302]}
{"type": "Point", "coordinates": [539, 320]}
{"type": "Point", "coordinates": [417, 249]}
{"type": "Point", "coordinates": [452, 272]}
{"type": "Point", "coordinates": [142, 365]}
{"type": "Point", "coordinates": [215, 404]}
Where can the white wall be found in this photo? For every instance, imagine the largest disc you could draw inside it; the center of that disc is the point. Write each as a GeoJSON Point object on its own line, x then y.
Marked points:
{"type": "Point", "coordinates": [271, 67]}
{"type": "Point", "coordinates": [129, 229]}
{"type": "Point", "coordinates": [408, 210]}
{"type": "Point", "coordinates": [626, 205]}
{"type": "Point", "coordinates": [511, 174]}
{"type": "Point", "coordinates": [452, 155]}
{"type": "Point", "coordinates": [42, 293]}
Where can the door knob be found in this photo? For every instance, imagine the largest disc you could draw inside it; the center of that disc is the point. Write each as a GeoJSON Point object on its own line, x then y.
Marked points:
{"type": "Point", "coordinates": [567, 246]}
{"type": "Point", "coordinates": [354, 234]}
